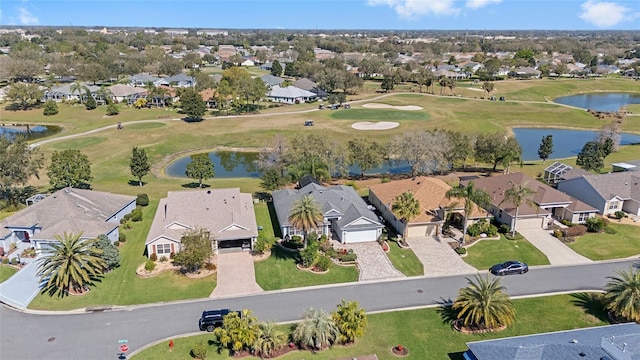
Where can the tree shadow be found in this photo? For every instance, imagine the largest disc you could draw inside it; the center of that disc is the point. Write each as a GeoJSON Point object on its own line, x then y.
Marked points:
{"type": "Point", "coordinates": [592, 304]}
{"type": "Point", "coordinates": [195, 185]}
{"type": "Point", "coordinates": [136, 183]}
{"type": "Point", "coordinates": [446, 311]}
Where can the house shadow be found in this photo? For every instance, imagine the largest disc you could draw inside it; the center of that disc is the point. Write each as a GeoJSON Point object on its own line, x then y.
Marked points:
{"type": "Point", "coordinates": [456, 355]}
{"type": "Point", "coordinates": [592, 303]}
{"type": "Point", "coordinates": [195, 185]}
{"type": "Point", "coordinates": [277, 231]}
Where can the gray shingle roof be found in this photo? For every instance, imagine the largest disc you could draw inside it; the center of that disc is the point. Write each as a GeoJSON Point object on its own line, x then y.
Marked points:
{"type": "Point", "coordinates": [597, 343]}
{"type": "Point", "coordinates": [290, 92]}
{"type": "Point", "coordinates": [227, 213]}
{"type": "Point", "coordinates": [70, 210]}
{"type": "Point", "coordinates": [271, 80]}
{"type": "Point", "coordinates": [625, 185]}
{"type": "Point", "coordinates": [339, 200]}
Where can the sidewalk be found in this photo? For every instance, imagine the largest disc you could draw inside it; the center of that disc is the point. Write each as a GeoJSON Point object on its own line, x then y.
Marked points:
{"type": "Point", "coordinates": [557, 252]}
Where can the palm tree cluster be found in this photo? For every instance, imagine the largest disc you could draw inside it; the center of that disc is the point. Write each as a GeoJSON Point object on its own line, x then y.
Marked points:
{"type": "Point", "coordinates": [319, 329]}
{"type": "Point", "coordinates": [484, 304]}
{"type": "Point", "coordinates": [70, 263]}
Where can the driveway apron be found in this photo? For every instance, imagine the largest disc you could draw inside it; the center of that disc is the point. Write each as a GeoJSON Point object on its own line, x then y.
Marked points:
{"type": "Point", "coordinates": [236, 275]}
{"type": "Point", "coordinates": [438, 258]}
{"type": "Point", "coordinates": [557, 252]}
{"type": "Point", "coordinates": [22, 287]}
{"type": "Point", "coordinates": [373, 262]}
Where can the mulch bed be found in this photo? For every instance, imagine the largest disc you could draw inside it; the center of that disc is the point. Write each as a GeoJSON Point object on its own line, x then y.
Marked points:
{"type": "Point", "coordinates": [400, 352]}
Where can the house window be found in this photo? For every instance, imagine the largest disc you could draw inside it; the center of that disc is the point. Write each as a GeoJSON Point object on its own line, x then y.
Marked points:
{"type": "Point", "coordinates": [162, 249]}
{"type": "Point", "coordinates": [613, 204]}
{"type": "Point", "coordinates": [582, 217]}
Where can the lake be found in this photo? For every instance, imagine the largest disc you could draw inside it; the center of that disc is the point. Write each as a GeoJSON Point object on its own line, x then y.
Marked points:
{"type": "Point", "coordinates": [566, 143]}
{"type": "Point", "coordinates": [30, 132]}
{"type": "Point", "coordinates": [231, 164]}
{"type": "Point", "coordinates": [600, 101]}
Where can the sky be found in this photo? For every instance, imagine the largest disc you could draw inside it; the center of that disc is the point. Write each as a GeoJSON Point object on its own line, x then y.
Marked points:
{"type": "Point", "coordinates": [330, 14]}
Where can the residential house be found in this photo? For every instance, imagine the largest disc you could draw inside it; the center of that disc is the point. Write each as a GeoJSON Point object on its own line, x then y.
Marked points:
{"type": "Point", "coordinates": [271, 80]}
{"type": "Point", "coordinates": [176, 32]}
{"type": "Point", "coordinates": [64, 92]}
{"type": "Point", "coordinates": [559, 171]}
{"type": "Point", "coordinates": [227, 214]}
{"type": "Point", "coordinates": [269, 65]}
{"type": "Point", "coordinates": [612, 342]}
{"type": "Point", "coordinates": [290, 95]}
{"type": "Point", "coordinates": [626, 166]}
{"type": "Point", "coordinates": [619, 191]}
{"type": "Point", "coordinates": [247, 62]}
{"type": "Point", "coordinates": [306, 84]}
{"type": "Point", "coordinates": [345, 214]}
{"type": "Point", "coordinates": [122, 92]}
{"type": "Point", "coordinates": [526, 72]}
{"type": "Point", "coordinates": [180, 81]}
{"type": "Point", "coordinates": [69, 210]}
{"type": "Point", "coordinates": [323, 54]}
{"type": "Point", "coordinates": [547, 202]}
{"type": "Point", "coordinates": [142, 80]}
{"type": "Point", "coordinates": [434, 205]}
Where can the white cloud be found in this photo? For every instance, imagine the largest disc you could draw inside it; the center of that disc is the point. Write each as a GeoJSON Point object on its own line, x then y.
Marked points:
{"type": "Point", "coordinates": [411, 9]}
{"type": "Point", "coordinates": [476, 4]}
{"type": "Point", "coordinates": [27, 18]}
{"type": "Point", "coordinates": [604, 14]}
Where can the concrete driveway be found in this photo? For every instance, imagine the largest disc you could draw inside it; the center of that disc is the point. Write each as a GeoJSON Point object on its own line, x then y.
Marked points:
{"type": "Point", "coordinates": [373, 262]}
{"type": "Point", "coordinates": [22, 287]}
{"type": "Point", "coordinates": [236, 275]}
{"type": "Point", "coordinates": [557, 252]}
{"type": "Point", "coordinates": [438, 258]}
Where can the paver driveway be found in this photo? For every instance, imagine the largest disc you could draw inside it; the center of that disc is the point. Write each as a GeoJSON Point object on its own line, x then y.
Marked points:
{"type": "Point", "coordinates": [373, 262]}
{"type": "Point", "coordinates": [557, 252]}
{"type": "Point", "coordinates": [438, 258]}
{"type": "Point", "coordinates": [236, 275]}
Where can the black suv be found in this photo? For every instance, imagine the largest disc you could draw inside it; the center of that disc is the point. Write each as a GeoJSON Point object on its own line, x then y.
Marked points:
{"type": "Point", "coordinates": [212, 319]}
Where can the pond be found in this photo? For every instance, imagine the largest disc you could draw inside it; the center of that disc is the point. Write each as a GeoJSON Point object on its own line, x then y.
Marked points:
{"type": "Point", "coordinates": [566, 143]}
{"type": "Point", "coordinates": [30, 132]}
{"type": "Point", "coordinates": [231, 164]}
{"type": "Point", "coordinates": [600, 101]}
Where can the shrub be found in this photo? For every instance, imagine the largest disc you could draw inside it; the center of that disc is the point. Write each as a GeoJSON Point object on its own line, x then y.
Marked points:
{"type": "Point", "coordinates": [504, 228]}
{"type": "Point", "coordinates": [199, 350]}
{"type": "Point", "coordinates": [619, 214]}
{"type": "Point", "coordinates": [566, 222]}
{"type": "Point", "coordinates": [461, 250]}
{"type": "Point", "coordinates": [153, 257]}
{"type": "Point", "coordinates": [5, 260]}
{"type": "Point", "coordinates": [385, 180]}
{"type": "Point", "coordinates": [163, 259]}
{"type": "Point", "coordinates": [50, 108]}
{"type": "Point", "coordinates": [122, 237]}
{"type": "Point", "coordinates": [323, 263]}
{"type": "Point", "coordinates": [149, 265]}
{"type": "Point", "coordinates": [352, 184]}
{"type": "Point", "coordinates": [136, 214]}
{"type": "Point", "coordinates": [491, 230]}
{"type": "Point", "coordinates": [557, 233]}
{"type": "Point", "coordinates": [116, 243]}
{"type": "Point", "coordinates": [263, 243]}
{"type": "Point", "coordinates": [325, 246]}
{"type": "Point", "coordinates": [210, 266]}
{"type": "Point", "coordinates": [349, 258]}
{"type": "Point", "coordinates": [574, 231]}
{"type": "Point", "coordinates": [308, 255]}
{"type": "Point", "coordinates": [14, 261]}
{"type": "Point", "coordinates": [112, 109]}
{"type": "Point", "coordinates": [142, 200]}
{"type": "Point", "coordinates": [609, 230]}
{"type": "Point", "coordinates": [517, 236]}
{"type": "Point", "coordinates": [172, 255]}
{"type": "Point", "coordinates": [474, 230]}
{"type": "Point", "coordinates": [594, 224]}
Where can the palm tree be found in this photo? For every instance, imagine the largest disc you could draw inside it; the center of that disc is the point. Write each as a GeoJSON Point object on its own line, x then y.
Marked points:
{"type": "Point", "coordinates": [623, 295]}
{"type": "Point", "coordinates": [518, 195]}
{"type": "Point", "coordinates": [305, 215]}
{"type": "Point", "coordinates": [104, 94]}
{"type": "Point", "coordinates": [70, 263]}
{"type": "Point", "coordinates": [406, 207]}
{"type": "Point", "coordinates": [488, 87]}
{"type": "Point", "coordinates": [483, 303]}
{"type": "Point", "coordinates": [472, 198]}
{"type": "Point", "coordinates": [78, 87]}
{"type": "Point", "coordinates": [350, 320]}
{"type": "Point", "coordinates": [451, 84]}
{"type": "Point", "coordinates": [317, 330]}
{"type": "Point", "coordinates": [269, 339]}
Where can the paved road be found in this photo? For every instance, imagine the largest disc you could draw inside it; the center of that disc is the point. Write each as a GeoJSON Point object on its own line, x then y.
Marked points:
{"type": "Point", "coordinates": [96, 335]}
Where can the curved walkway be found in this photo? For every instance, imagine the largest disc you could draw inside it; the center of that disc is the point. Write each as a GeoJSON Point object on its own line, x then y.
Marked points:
{"type": "Point", "coordinates": [438, 258]}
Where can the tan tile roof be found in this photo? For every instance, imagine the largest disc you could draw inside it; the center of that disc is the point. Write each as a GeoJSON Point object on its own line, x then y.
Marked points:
{"type": "Point", "coordinates": [430, 193]}
{"type": "Point", "coordinates": [226, 213]}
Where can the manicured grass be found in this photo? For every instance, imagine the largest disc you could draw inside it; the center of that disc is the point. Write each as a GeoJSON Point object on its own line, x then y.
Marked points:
{"type": "Point", "coordinates": [404, 260]}
{"type": "Point", "coordinates": [487, 253]}
{"type": "Point", "coordinates": [279, 272]}
{"type": "Point", "coordinates": [427, 333]}
{"type": "Point", "coordinates": [602, 246]}
{"type": "Point", "coordinates": [6, 272]}
{"type": "Point", "coordinates": [263, 218]}
{"type": "Point", "coordinates": [143, 126]}
{"type": "Point", "coordinates": [378, 115]}
{"type": "Point", "coordinates": [123, 287]}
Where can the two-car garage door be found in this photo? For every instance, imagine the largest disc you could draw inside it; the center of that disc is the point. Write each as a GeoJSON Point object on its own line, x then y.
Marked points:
{"type": "Point", "coordinates": [422, 230]}
{"type": "Point", "coordinates": [351, 237]}
{"type": "Point", "coordinates": [530, 223]}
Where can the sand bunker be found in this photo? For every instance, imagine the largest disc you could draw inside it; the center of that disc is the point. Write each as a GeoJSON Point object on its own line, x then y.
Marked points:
{"type": "Point", "coordinates": [387, 106]}
{"type": "Point", "coordinates": [380, 125]}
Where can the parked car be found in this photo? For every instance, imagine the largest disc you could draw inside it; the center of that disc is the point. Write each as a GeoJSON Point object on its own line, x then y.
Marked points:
{"type": "Point", "coordinates": [308, 123]}
{"type": "Point", "coordinates": [509, 267]}
{"type": "Point", "coordinates": [212, 319]}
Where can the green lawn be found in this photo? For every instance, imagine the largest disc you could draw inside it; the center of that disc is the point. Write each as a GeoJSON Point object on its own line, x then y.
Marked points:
{"type": "Point", "coordinates": [6, 272]}
{"type": "Point", "coordinates": [427, 332]}
{"type": "Point", "coordinates": [486, 253]}
{"type": "Point", "coordinates": [279, 272]}
{"type": "Point", "coordinates": [625, 243]}
{"type": "Point", "coordinates": [378, 115]}
{"type": "Point", "coordinates": [263, 218]}
{"type": "Point", "coordinates": [123, 287]}
{"type": "Point", "coordinates": [404, 260]}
